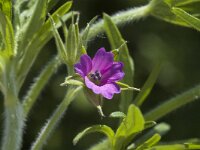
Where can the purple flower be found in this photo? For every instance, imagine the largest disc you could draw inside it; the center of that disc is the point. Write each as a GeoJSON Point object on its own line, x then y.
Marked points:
{"type": "Point", "coordinates": [100, 73]}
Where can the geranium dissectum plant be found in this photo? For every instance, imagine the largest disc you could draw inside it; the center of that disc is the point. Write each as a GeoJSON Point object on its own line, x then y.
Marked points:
{"type": "Point", "coordinates": [101, 73]}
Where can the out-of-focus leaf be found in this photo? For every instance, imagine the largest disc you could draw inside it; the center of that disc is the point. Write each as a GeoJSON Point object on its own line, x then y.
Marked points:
{"type": "Point", "coordinates": [97, 128]}
{"type": "Point", "coordinates": [7, 34]}
{"type": "Point", "coordinates": [163, 10]}
{"type": "Point", "coordinates": [173, 104]}
{"type": "Point", "coordinates": [150, 142]}
{"type": "Point", "coordinates": [130, 126]}
{"type": "Point", "coordinates": [168, 147]}
{"type": "Point", "coordinates": [189, 19]}
{"type": "Point", "coordinates": [117, 114]}
{"type": "Point", "coordinates": [176, 147]}
{"type": "Point", "coordinates": [116, 41]}
{"type": "Point", "coordinates": [146, 89]}
{"type": "Point", "coordinates": [6, 8]}
{"type": "Point", "coordinates": [149, 124]}
{"type": "Point", "coordinates": [192, 146]}
{"type": "Point", "coordinates": [51, 4]}
{"type": "Point", "coordinates": [181, 2]}
{"type": "Point", "coordinates": [161, 129]}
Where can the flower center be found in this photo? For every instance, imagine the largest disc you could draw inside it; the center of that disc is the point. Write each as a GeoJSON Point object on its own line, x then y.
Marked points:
{"type": "Point", "coordinates": [95, 77]}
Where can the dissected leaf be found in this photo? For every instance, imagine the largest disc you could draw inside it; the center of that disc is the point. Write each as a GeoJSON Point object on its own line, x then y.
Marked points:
{"type": "Point", "coordinates": [97, 128]}
{"type": "Point", "coordinates": [116, 41]}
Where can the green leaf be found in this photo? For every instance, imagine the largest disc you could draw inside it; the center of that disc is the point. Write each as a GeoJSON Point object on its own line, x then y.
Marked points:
{"type": "Point", "coordinates": [7, 34]}
{"type": "Point", "coordinates": [173, 104]}
{"type": "Point", "coordinates": [59, 43]}
{"type": "Point", "coordinates": [40, 39]}
{"type": "Point", "coordinates": [189, 19]}
{"type": "Point", "coordinates": [192, 146]}
{"type": "Point", "coordinates": [86, 31]}
{"type": "Point", "coordinates": [130, 126]}
{"type": "Point", "coordinates": [33, 24]}
{"type": "Point", "coordinates": [124, 86]}
{"type": "Point", "coordinates": [116, 41]}
{"type": "Point", "coordinates": [96, 128]}
{"type": "Point", "coordinates": [6, 8]}
{"type": "Point", "coordinates": [146, 89]}
{"type": "Point", "coordinates": [150, 142]}
{"type": "Point", "coordinates": [175, 147]}
{"type": "Point", "coordinates": [117, 114]}
{"type": "Point", "coordinates": [163, 10]}
{"type": "Point", "coordinates": [161, 129]}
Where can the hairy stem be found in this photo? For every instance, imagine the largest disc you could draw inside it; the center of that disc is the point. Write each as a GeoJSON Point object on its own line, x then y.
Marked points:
{"type": "Point", "coordinates": [174, 103]}
{"type": "Point", "coordinates": [39, 84]}
{"type": "Point", "coordinates": [13, 112]}
{"type": "Point", "coordinates": [121, 18]}
{"type": "Point", "coordinates": [13, 127]}
{"type": "Point", "coordinates": [54, 119]}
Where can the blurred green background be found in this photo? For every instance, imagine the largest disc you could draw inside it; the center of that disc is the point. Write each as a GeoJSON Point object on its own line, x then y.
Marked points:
{"type": "Point", "coordinates": [150, 41]}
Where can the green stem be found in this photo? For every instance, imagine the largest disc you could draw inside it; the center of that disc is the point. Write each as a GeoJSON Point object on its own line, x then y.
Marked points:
{"type": "Point", "coordinates": [13, 127]}
{"type": "Point", "coordinates": [39, 84]}
{"type": "Point", "coordinates": [173, 104]}
{"type": "Point", "coordinates": [54, 119]}
{"type": "Point", "coordinates": [120, 19]}
{"type": "Point", "coordinates": [14, 121]}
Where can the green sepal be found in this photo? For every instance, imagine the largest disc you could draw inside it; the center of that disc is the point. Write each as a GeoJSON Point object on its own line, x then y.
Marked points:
{"type": "Point", "coordinates": [124, 86]}
{"type": "Point", "coordinates": [73, 80]}
{"type": "Point", "coordinates": [117, 114]}
{"type": "Point", "coordinates": [86, 31]}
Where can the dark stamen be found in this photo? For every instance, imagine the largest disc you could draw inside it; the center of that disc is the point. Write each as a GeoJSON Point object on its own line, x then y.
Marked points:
{"type": "Point", "coordinates": [96, 76]}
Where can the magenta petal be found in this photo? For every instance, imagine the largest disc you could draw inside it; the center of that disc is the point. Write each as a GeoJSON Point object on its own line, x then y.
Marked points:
{"type": "Point", "coordinates": [102, 60]}
{"type": "Point", "coordinates": [107, 90]}
{"type": "Point", "coordinates": [84, 67]}
{"type": "Point", "coordinates": [113, 74]}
